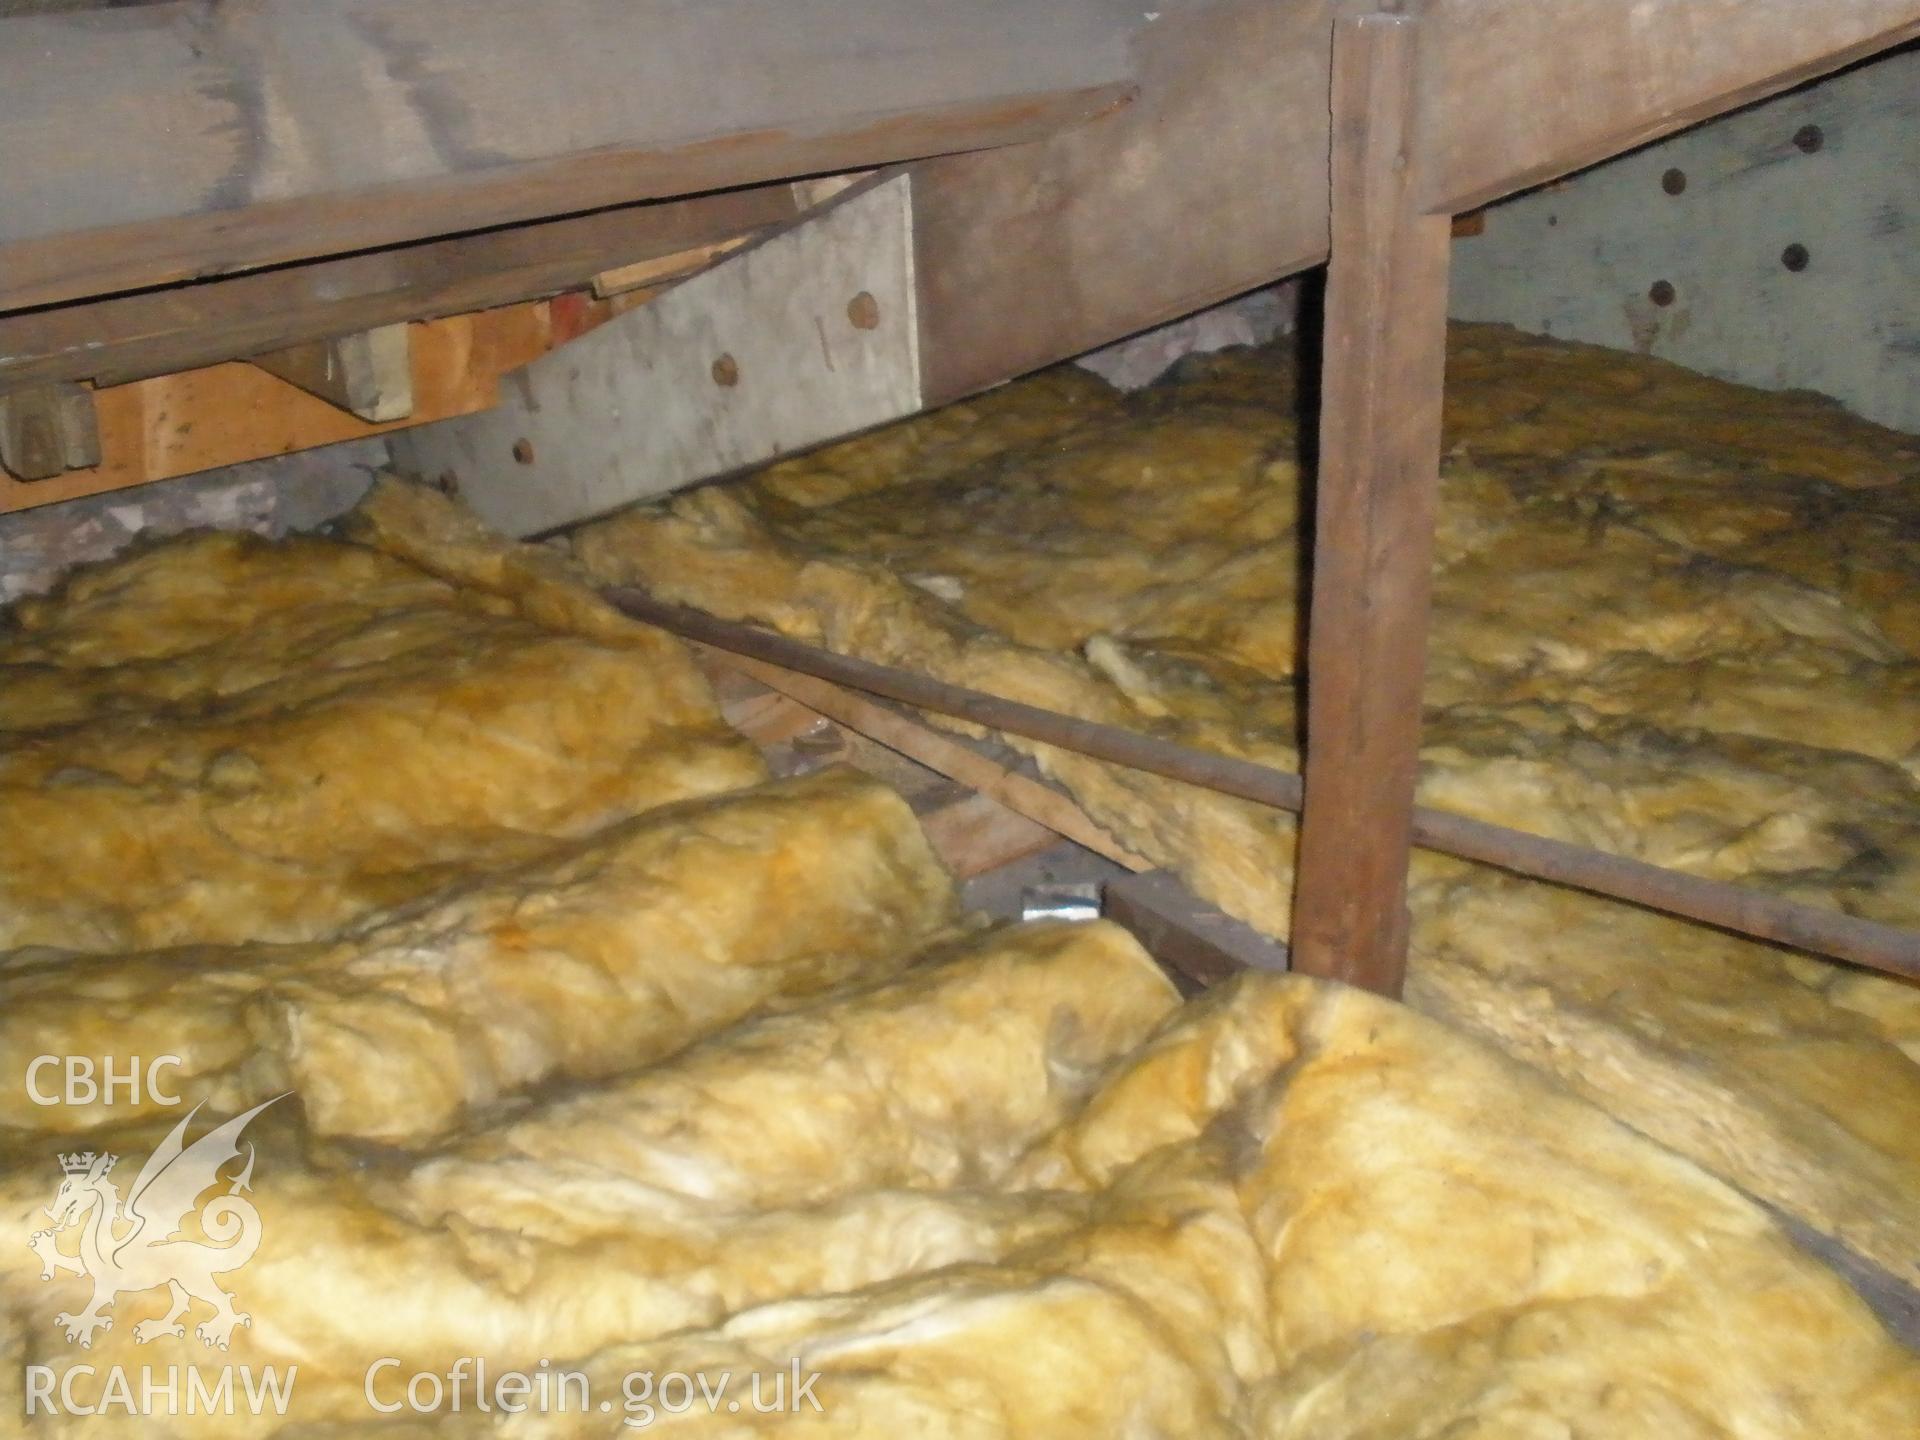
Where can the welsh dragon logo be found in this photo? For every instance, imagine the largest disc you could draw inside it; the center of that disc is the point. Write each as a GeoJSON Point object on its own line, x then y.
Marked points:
{"type": "Point", "coordinates": [130, 1246]}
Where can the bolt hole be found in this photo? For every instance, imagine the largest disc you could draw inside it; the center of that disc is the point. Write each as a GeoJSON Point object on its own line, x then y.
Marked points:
{"type": "Point", "coordinates": [523, 450]}
{"type": "Point", "coordinates": [1661, 292]}
{"type": "Point", "coordinates": [1795, 257]}
{"type": "Point", "coordinates": [1674, 182]}
{"type": "Point", "coordinates": [726, 371]}
{"type": "Point", "coordinates": [1809, 138]}
{"type": "Point", "coordinates": [864, 311]}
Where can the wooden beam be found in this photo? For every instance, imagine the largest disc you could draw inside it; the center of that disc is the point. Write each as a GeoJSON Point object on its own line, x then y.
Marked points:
{"type": "Point", "coordinates": [1517, 92]}
{"type": "Point", "coordinates": [157, 332]}
{"type": "Point", "coordinates": [1230, 125]}
{"type": "Point", "coordinates": [195, 140]}
{"type": "Point", "coordinates": [1375, 495]}
{"type": "Point", "coordinates": [368, 374]}
{"type": "Point", "coordinates": [1186, 934]}
{"type": "Point", "coordinates": [1084, 219]}
{"type": "Point", "coordinates": [977, 833]}
{"type": "Point", "coordinates": [47, 431]}
{"type": "Point", "coordinates": [1211, 183]}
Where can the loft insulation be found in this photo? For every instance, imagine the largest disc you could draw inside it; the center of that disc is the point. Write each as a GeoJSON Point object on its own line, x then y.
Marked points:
{"type": "Point", "coordinates": [223, 739]}
{"type": "Point", "coordinates": [600, 956]}
{"type": "Point", "coordinates": [1018, 1189]}
{"type": "Point", "coordinates": [710, 1076]}
{"type": "Point", "coordinates": [1674, 618]}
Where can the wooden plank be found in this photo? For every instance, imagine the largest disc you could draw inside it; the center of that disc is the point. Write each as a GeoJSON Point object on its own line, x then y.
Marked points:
{"type": "Point", "coordinates": [1375, 497]}
{"type": "Point", "coordinates": [196, 139]}
{"type": "Point", "coordinates": [977, 833]}
{"type": "Point", "coordinates": [156, 332]}
{"type": "Point", "coordinates": [767, 717]}
{"type": "Point", "coordinates": [1186, 934]}
{"type": "Point", "coordinates": [368, 374]}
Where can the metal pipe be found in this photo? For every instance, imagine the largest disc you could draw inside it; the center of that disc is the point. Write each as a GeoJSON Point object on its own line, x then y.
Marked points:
{"type": "Point", "coordinates": [1712, 902]}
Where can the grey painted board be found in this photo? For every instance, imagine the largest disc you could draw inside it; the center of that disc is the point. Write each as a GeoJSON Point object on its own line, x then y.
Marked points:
{"type": "Point", "coordinates": [768, 352]}
{"type": "Point", "coordinates": [1581, 259]}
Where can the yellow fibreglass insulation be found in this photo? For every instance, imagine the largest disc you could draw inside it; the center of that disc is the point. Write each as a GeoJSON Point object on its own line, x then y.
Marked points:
{"type": "Point", "coordinates": [1673, 618]}
{"type": "Point", "coordinates": [223, 740]}
{"type": "Point", "coordinates": [1018, 1189]}
{"type": "Point", "coordinates": [609, 1053]}
{"type": "Point", "coordinates": [609, 953]}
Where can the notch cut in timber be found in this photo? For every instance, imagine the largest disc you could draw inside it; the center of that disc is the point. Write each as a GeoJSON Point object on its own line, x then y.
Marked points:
{"type": "Point", "coordinates": [1383, 362]}
{"type": "Point", "coordinates": [368, 374]}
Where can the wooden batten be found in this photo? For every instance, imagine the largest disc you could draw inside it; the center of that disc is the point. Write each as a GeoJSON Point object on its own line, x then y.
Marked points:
{"type": "Point", "coordinates": [1744, 911]}
{"type": "Point", "coordinates": [47, 431]}
{"type": "Point", "coordinates": [661, 269]}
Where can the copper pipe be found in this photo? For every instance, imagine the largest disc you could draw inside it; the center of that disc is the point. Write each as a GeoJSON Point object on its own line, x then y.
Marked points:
{"type": "Point", "coordinates": [1712, 902]}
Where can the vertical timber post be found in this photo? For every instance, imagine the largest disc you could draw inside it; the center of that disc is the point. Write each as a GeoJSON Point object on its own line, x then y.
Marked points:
{"type": "Point", "coordinates": [1383, 362]}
